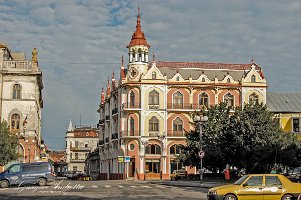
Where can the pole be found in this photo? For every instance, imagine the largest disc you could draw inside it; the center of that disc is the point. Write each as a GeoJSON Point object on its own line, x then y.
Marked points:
{"type": "Point", "coordinates": [201, 149]}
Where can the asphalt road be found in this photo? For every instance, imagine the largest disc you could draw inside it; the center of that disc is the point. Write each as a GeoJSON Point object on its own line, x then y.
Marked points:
{"type": "Point", "coordinates": [117, 190]}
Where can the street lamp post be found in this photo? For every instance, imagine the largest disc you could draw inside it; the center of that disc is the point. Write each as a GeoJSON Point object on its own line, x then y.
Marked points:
{"type": "Point", "coordinates": [162, 138]}
{"type": "Point", "coordinates": [199, 125]}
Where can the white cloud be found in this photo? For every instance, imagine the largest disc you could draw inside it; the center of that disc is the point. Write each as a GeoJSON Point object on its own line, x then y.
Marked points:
{"type": "Point", "coordinates": [80, 42]}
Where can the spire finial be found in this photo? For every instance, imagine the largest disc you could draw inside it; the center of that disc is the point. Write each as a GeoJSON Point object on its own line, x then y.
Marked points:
{"type": "Point", "coordinates": [122, 60]}
{"type": "Point", "coordinates": [138, 16]}
{"type": "Point", "coordinates": [154, 57]}
{"type": "Point", "coordinates": [113, 74]}
{"type": "Point", "coordinates": [34, 55]}
{"type": "Point", "coordinates": [253, 60]}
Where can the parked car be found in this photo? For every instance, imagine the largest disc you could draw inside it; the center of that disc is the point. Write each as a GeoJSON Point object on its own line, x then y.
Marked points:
{"type": "Point", "coordinates": [257, 186]}
{"type": "Point", "coordinates": [294, 174]}
{"type": "Point", "coordinates": [27, 173]}
{"type": "Point", "coordinates": [73, 174]}
{"type": "Point", "coordinates": [177, 174]}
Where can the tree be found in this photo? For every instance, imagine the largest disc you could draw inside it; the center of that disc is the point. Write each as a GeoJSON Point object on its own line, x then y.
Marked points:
{"type": "Point", "coordinates": [249, 138]}
{"type": "Point", "coordinates": [8, 144]}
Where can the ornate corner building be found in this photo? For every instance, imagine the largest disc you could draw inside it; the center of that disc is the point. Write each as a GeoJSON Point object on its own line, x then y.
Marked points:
{"type": "Point", "coordinates": [146, 114]}
{"type": "Point", "coordinates": [21, 101]}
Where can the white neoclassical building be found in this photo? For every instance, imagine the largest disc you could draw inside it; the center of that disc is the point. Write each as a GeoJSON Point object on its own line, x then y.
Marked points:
{"type": "Point", "coordinates": [21, 100]}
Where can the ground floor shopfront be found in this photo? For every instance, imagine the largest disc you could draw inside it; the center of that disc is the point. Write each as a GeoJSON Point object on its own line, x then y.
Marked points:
{"type": "Point", "coordinates": [149, 158]}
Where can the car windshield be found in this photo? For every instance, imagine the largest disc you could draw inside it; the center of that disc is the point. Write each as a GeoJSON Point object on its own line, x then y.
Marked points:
{"type": "Point", "coordinates": [241, 180]}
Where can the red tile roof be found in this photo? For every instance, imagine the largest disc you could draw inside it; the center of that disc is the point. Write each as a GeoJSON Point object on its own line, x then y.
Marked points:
{"type": "Point", "coordinates": [205, 65]}
{"type": "Point", "coordinates": [138, 37]}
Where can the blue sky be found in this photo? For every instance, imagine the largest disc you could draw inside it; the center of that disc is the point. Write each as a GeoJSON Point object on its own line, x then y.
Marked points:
{"type": "Point", "coordinates": [81, 42]}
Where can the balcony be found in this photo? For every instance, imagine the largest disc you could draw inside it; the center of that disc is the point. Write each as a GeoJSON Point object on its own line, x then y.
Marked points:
{"type": "Point", "coordinates": [115, 111]}
{"type": "Point", "coordinates": [131, 105]}
{"type": "Point", "coordinates": [129, 133]}
{"type": "Point", "coordinates": [176, 134]}
{"type": "Point", "coordinates": [187, 106]}
{"type": "Point", "coordinates": [80, 148]}
{"type": "Point", "coordinates": [107, 139]}
{"type": "Point", "coordinates": [76, 160]}
{"type": "Point", "coordinates": [114, 136]}
{"type": "Point", "coordinates": [107, 117]}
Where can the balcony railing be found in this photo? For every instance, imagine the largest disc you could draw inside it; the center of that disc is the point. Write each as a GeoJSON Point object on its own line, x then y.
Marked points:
{"type": "Point", "coordinates": [126, 133]}
{"type": "Point", "coordinates": [77, 160]}
{"type": "Point", "coordinates": [114, 136]}
{"type": "Point", "coordinates": [179, 106]}
{"type": "Point", "coordinates": [131, 105]}
{"type": "Point", "coordinates": [80, 148]}
{"type": "Point", "coordinates": [107, 117]}
{"type": "Point", "coordinates": [23, 64]}
{"type": "Point", "coordinates": [115, 111]}
{"type": "Point", "coordinates": [107, 139]}
{"type": "Point", "coordinates": [175, 134]}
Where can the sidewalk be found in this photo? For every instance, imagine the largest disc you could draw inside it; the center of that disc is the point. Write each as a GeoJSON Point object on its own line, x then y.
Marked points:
{"type": "Point", "coordinates": [189, 183]}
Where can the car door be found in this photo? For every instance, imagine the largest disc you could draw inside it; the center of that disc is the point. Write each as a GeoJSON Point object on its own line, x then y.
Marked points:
{"type": "Point", "coordinates": [252, 188]}
{"type": "Point", "coordinates": [14, 174]}
{"type": "Point", "coordinates": [273, 188]}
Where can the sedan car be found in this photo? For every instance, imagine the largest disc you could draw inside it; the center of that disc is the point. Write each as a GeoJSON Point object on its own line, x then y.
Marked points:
{"type": "Point", "coordinates": [257, 187]}
{"type": "Point", "coordinates": [294, 174]}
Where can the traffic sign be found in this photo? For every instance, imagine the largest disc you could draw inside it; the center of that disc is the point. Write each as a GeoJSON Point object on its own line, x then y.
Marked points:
{"type": "Point", "coordinates": [127, 158]}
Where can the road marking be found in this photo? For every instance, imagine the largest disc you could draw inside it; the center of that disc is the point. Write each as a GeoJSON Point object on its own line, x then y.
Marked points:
{"type": "Point", "coordinates": [187, 187]}
{"type": "Point", "coordinates": [107, 186]}
{"type": "Point", "coordinates": [145, 186]}
{"type": "Point", "coordinates": [160, 186]}
{"type": "Point", "coordinates": [120, 186]}
{"type": "Point", "coordinates": [94, 186]}
{"type": "Point", "coordinates": [133, 186]}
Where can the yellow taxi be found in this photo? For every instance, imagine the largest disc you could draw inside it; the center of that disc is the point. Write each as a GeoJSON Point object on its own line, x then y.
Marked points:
{"type": "Point", "coordinates": [258, 187]}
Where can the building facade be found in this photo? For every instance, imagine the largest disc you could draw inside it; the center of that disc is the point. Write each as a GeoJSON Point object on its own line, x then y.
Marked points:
{"type": "Point", "coordinates": [287, 108]}
{"type": "Point", "coordinates": [21, 100]}
{"type": "Point", "coordinates": [147, 112]}
{"type": "Point", "coordinates": [80, 141]}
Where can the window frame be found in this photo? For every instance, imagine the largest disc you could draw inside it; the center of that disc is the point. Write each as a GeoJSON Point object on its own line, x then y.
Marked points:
{"type": "Point", "coordinates": [16, 91]}
{"type": "Point", "coordinates": [203, 97]}
{"type": "Point", "coordinates": [229, 97]}
{"type": "Point", "coordinates": [153, 98]}
{"type": "Point", "coordinates": [153, 124]}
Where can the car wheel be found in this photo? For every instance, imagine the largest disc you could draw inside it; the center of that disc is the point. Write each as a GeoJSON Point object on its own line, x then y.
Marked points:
{"type": "Point", "coordinates": [4, 184]}
{"type": "Point", "coordinates": [230, 197]}
{"type": "Point", "coordinates": [42, 182]}
{"type": "Point", "coordinates": [287, 197]}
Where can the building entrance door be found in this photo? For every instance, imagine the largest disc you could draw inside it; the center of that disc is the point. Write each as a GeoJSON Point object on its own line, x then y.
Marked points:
{"type": "Point", "coordinates": [132, 167]}
{"type": "Point", "coordinates": [152, 169]}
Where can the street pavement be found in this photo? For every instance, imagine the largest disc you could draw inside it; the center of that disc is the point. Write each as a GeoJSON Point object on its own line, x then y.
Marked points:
{"type": "Point", "coordinates": [117, 190]}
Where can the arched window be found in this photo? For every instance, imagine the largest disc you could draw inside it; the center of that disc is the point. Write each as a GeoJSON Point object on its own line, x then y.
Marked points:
{"type": "Point", "coordinates": [16, 91]}
{"type": "Point", "coordinates": [177, 100]}
{"type": "Point", "coordinates": [229, 100]}
{"type": "Point", "coordinates": [134, 56]}
{"type": "Point", "coordinates": [153, 125]}
{"type": "Point", "coordinates": [228, 80]}
{"type": "Point", "coordinates": [154, 75]}
{"type": "Point", "coordinates": [203, 100]}
{"type": "Point", "coordinates": [178, 125]}
{"type": "Point", "coordinates": [132, 99]}
{"type": "Point", "coordinates": [15, 122]}
{"type": "Point", "coordinates": [175, 149]}
{"type": "Point", "coordinates": [253, 79]}
{"type": "Point", "coordinates": [140, 55]}
{"type": "Point", "coordinates": [253, 98]}
{"type": "Point", "coordinates": [153, 98]}
{"type": "Point", "coordinates": [203, 79]}
{"type": "Point", "coordinates": [152, 149]}
{"type": "Point", "coordinates": [132, 126]}
{"type": "Point", "coordinates": [178, 78]}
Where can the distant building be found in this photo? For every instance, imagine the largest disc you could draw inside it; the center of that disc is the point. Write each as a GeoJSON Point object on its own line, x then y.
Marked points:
{"type": "Point", "coordinates": [147, 112]}
{"type": "Point", "coordinates": [80, 141]}
{"type": "Point", "coordinates": [58, 158]}
{"type": "Point", "coordinates": [287, 108]}
{"type": "Point", "coordinates": [21, 100]}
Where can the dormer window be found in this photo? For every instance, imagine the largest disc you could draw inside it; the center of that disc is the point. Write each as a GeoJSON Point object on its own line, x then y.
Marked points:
{"type": "Point", "coordinates": [253, 79]}
{"type": "Point", "coordinates": [178, 78]}
{"type": "Point", "coordinates": [228, 80]}
{"type": "Point", "coordinates": [154, 75]}
{"type": "Point", "coordinates": [203, 79]}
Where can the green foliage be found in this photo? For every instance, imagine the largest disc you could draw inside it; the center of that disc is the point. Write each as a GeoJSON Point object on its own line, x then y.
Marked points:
{"type": "Point", "coordinates": [249, 138]}
{"type": "Point", "coordinates": [8, 144]}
